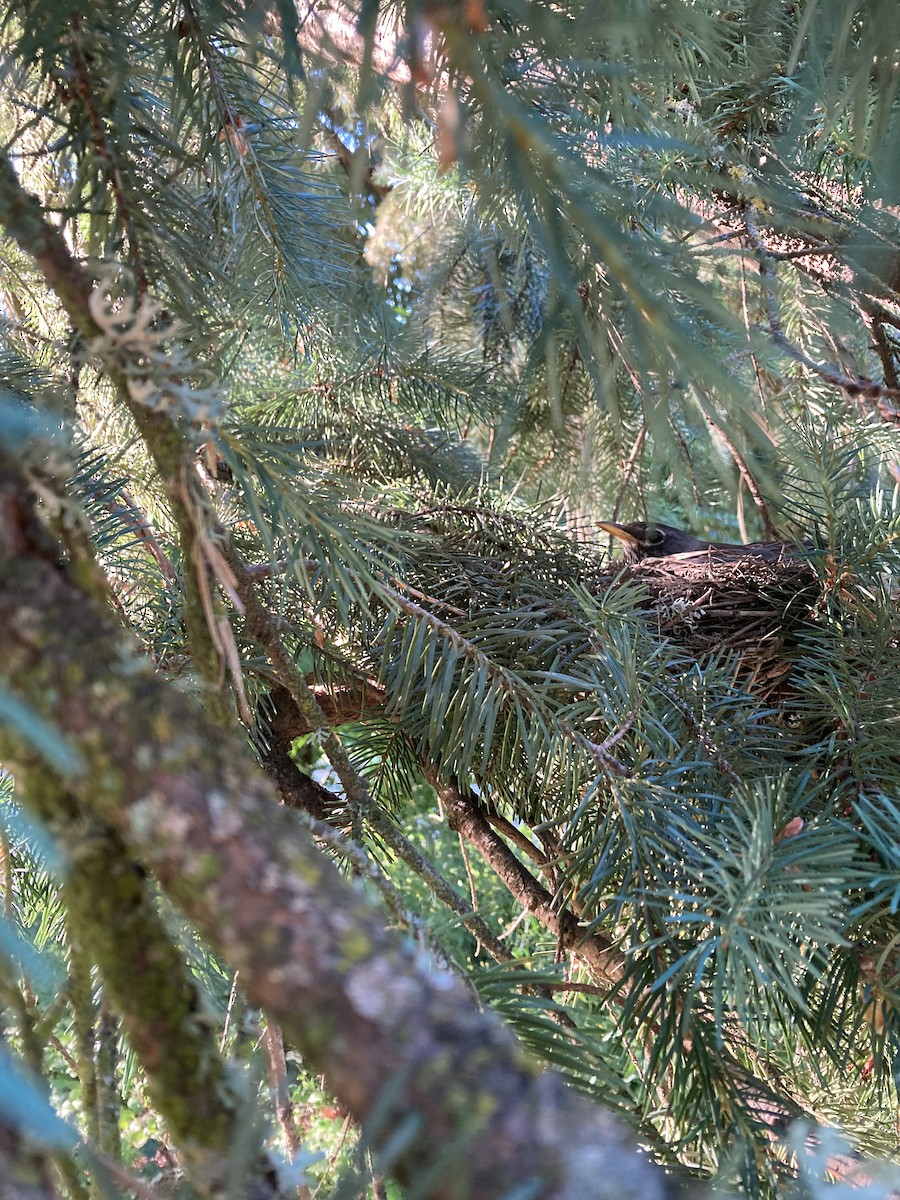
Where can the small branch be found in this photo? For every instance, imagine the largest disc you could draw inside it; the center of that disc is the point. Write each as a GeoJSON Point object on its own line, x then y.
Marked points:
{"type": "Point", "coordinates": [358, 165]}
{"type": "Point", "coordinates": [747, 475]}
{"type": "Point", "coordinates": [855, 386]}
{"type": "Point", "coordinates": [63, 1053]}
{"type": "Point", "coordinates": [124, 1178]}
{"type": "Point", "coordinates": [263, 628]}
{"type": "Point", "coordinates": [432, 600]}
{"type": "Point", "coordinates": [595, 951]}
{"type": "Point", "coordinates": [233, 1002]}
{"type": "Point", "coordinates": [143, 531]}
{"type": "Point", "coordinates": [473, 892]}
{"type": "Point", "coordinates": [518, 838]}
{"type": "Point", "coordinates": [278, 1084]}
{"type": "Point", "coordinates": [569, 985]}
{"type": "Point", "coordinates": [700, 733]}
{"type": "Point", "coordinates": [364, 866]}
{"type": "Point", "coordinates": [877, 319]}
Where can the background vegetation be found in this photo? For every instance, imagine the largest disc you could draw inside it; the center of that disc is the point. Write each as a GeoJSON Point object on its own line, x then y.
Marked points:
{"type": "Point", "coordinates": [327, 333]}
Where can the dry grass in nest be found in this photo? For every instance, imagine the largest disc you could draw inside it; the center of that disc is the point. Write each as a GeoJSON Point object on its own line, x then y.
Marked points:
{"type": "Point", "coordinates": [725, 599]}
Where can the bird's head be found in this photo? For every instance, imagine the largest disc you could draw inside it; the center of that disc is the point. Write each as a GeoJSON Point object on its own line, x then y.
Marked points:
{"type": "Point", "coordinates": [651, 539]}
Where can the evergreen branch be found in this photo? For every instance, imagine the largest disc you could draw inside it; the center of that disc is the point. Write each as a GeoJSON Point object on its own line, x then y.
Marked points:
{"type": "Point", "coordinates": [855, 386]}
{"type": "Point", "coordinates": [233, 124]}
{"type": "Point", "coordinates": [106, 154]}
{"type": "Point", "coordinates": [511, 684]}
{"type": "Point", "coordinates": [264, 629]}
{"type": "Point", "coordinates": [599, 955]}
{"type": "Point", "coordinates": [699, 732]}
{"type": "Point", "coordinates": [23, 217]}
{"type": "Point", "coordinates": [328, 972]}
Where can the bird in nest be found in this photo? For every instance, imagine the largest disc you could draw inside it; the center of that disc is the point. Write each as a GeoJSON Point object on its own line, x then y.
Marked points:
{"type": "Point", "coordinates": [652, 539]}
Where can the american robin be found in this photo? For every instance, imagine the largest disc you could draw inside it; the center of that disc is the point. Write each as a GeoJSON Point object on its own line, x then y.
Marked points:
{"type": "Point", "coordinates": [652, 539]}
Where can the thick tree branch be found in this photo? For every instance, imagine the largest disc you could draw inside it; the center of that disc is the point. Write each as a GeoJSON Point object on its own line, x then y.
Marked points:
{"type": "Point", "coordinates": [113, 913]}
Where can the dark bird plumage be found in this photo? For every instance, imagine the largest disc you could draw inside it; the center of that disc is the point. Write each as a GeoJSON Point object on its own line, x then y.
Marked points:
{"type": "Point", "coordinates": [652, 539]}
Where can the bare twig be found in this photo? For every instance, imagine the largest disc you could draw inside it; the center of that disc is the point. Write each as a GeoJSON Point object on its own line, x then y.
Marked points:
{"type": "Point", "coordinates": [855, 386]}
{"type": "Point", "coordinates": [143, 531]}
{"type": "Point", "coordinates": [628, 468]}
{"type": "Point", "coordinates": [752, 486]}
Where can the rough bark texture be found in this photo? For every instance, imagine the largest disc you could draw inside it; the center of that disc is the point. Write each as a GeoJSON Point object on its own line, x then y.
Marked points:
{"type": "Point", "coordinates": [396, 1039]}
{"type": "Point", "coordinates": [23, 1175]}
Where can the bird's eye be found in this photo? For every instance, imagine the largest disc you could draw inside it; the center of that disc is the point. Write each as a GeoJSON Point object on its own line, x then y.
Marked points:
{"type": "Point", "coordinates": [654, 537]}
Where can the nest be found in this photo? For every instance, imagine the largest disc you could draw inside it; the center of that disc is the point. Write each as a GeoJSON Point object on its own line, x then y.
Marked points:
{"type": "Point", "coordinates": [724, 598]}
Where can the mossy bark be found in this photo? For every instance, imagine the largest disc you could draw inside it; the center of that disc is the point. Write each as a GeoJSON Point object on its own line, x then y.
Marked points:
{"type": "Point", "coordinates": [24, 220]}
{"type": "Point", "coordinates": [110, 903]}
{"type": "Point", "coordinates": [24, 1174]}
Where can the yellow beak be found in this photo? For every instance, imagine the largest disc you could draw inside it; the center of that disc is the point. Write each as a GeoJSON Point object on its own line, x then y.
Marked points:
{"type": "Point", "coordinates": [618, 531]}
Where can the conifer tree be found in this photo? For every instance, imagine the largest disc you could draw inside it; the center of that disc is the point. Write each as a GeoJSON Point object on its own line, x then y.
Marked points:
{"type": "Point", "coordinates": [328, 334]}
